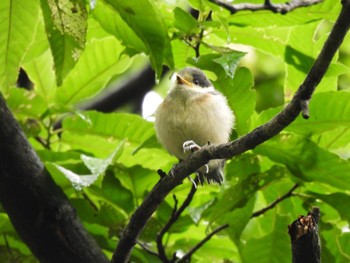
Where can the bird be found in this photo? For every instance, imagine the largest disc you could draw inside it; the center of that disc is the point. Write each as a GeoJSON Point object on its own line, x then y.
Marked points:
{"type": "Point", "coordinates": [192, 115]}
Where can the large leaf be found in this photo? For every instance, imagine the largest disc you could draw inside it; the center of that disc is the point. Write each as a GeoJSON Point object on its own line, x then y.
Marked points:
{"type": "Point", "coordinates": [101, 60]}
{"type": "Point", "coordinates": [337, 201]}
{"type": "Point", "coordinates": [300, 53]}
{"type": "Point", "coordinates": [18, 22]}
{"type": "Point", "coordinates": [41, 73]}
{"type": "Point", "coordinates": [273, 247]}
{"type": "Point", "coordinates": [307, 161]}
{"type": "Point", "coordinates": [238, 195]}
{"type": "Point", "coordinates": [112, 22]}
{"type": "Point", "coordinates": [144, 18]}
{"type": "Point", "coordinates": [240, 96]}
{"type": "Point", "coordinates": [100, 133]}
{"type": "Point", "coordinates": [184, 21]}
{"type": "Point", "coordinates": [66, 24]}
{"type": "Point", "coordinates": [328, 110]}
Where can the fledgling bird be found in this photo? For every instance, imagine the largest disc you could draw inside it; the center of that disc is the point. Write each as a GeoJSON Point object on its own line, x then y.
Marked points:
{"type": "Point", "coordinates": [194, 114]}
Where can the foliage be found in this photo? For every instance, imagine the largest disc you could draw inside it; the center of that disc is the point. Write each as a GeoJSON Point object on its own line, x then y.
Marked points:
{"type": "Point", "coordinates": [107, 163]}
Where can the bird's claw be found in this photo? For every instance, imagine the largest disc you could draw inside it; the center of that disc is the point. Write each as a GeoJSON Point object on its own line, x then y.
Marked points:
{"type": "Point", "coordinates": [171, 172]}
{"type": "Point", "coordinates": [190, 146]}
{"type": "Point", "coordinates": [192, 181]}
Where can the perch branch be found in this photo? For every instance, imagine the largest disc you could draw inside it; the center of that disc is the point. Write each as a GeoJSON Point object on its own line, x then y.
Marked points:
{"type": "Point", "coordinates": [228, 150]}
{"type": "Point", "coordinates": [267, 5]}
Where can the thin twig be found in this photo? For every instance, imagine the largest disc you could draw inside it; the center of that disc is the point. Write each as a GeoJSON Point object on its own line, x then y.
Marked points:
{"type": "Point", "coordinates": [144, 247]}
{"type": "Point", "coordinates": [188, 255]}
{"type": "Point", "coordinates": [174, 217]}
{"type": "Point", "coordinates": [274, 203]}
{"type": "Point", "coordinates": [267, 5]}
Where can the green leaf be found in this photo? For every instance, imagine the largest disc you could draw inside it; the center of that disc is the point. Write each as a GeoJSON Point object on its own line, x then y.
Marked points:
{"type": "Point", "coordinates": [328, 110]}
{"type": "Point", "coordinates": [238, 195]}
{"type": "Point", "coordinates": [270, 40]}
{"type": "Point", "coordinates": [101, 60]}
{"type": "Point", "coordinates": [99, 166]}
{"type": "Point", "coordinates": [273, 247]}
{"type": "Point", "coordinates": [226, 59]}
{"type": "Point", "coordinates": [103, 132]}
{"type": "Point", "coordinates": [111, 21]}
{"type": "Point", "coordinates": [41, 73]}
{"type": "Point", "coordinates": [229, 61]}
{"type": "Point", "coordinates": [66, 24]}
{"type": "Point", "coordinates": [144, 18]}
{"type": "Point", "coordinates": [78, 181]}
{"type": "Point", "coordinates": [151, 142]}
{"type": "Point", "coordinates": [18, 23]}
{"type": "Point", "coordinates": [183, 52]}
{"type": "Point", "coordinates": [105, 215]}
{"type": "Point", "coordinates": [240, 96]}
{"type": "Point", "coordinates": [307, 161]}
{"type": "Point", "coordinates": [300, 53]}
{"type": "Point", "coordinates": [337, 201]}
{"type": "Point", "coordinates": [184, 21]}
{"type": "Point", "coordinates": [26, 104]}
{"type": "Point", "coordinates": [238, 219]}
{"type": "Point", "coordinates": [113, 193]}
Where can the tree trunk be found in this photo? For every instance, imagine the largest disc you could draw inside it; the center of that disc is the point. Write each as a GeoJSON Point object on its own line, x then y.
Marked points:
{"type": "Point", "coordinates": [37, 207]}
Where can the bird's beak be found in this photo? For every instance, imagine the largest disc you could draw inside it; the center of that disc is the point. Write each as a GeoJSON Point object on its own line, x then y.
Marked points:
{"type": "Point", "coordinates": [180, 80]}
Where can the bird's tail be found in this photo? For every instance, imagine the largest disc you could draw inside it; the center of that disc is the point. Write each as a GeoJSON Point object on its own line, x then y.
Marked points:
{"type": "Point", "coordinates": [212, 172]}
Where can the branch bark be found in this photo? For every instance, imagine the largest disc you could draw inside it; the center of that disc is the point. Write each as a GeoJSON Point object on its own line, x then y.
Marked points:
{"type": "Point", "coordinates": [267, 5]}
{"type": "Point", "coordinates": [132, 90]}
{"type": "Point", "coordinates": [36, 206]}
{"type": "Point", "coordinates": [228, 150]}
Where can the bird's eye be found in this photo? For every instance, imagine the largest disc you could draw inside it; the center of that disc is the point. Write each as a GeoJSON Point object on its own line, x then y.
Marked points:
{"type": "Point", "coordinates": [196, 81]}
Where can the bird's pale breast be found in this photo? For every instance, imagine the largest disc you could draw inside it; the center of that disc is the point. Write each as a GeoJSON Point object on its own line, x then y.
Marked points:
{"type": "Point", "coordinates": [203, 118]}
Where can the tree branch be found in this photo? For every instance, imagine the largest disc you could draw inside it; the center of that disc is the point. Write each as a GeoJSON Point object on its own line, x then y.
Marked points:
{"type": "Point", "coordinates": [274, 203]}
{"type": "Point", "coordinates": [132, 90]}
{"type": "Point", "coordinates": [267, 5]}
{"type": "Point", "coordinates": [174, 217]}
{"type": "Point", "coordinates": [188, 255]}
{"type": "Point", "coordinates": [36, 206]}
{"type": "Point", "coordinates": [255, 214]}
{"type": "Point", "coordinates": [144, 246]}
{"type": "Point", "coordinates": [228, 150]}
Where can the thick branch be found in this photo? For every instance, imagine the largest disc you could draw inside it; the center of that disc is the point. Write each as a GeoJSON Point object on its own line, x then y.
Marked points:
{"type": "Point", "coordinates": [228, 150]}
{"type": "Point", "coordinates": [36, 206]}
{"type": "Point", "coordinates": [267, 5]}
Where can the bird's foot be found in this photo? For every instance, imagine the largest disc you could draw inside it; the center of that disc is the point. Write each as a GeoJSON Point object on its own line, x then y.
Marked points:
{"type": "Point", "coordinates": [190, 146]}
